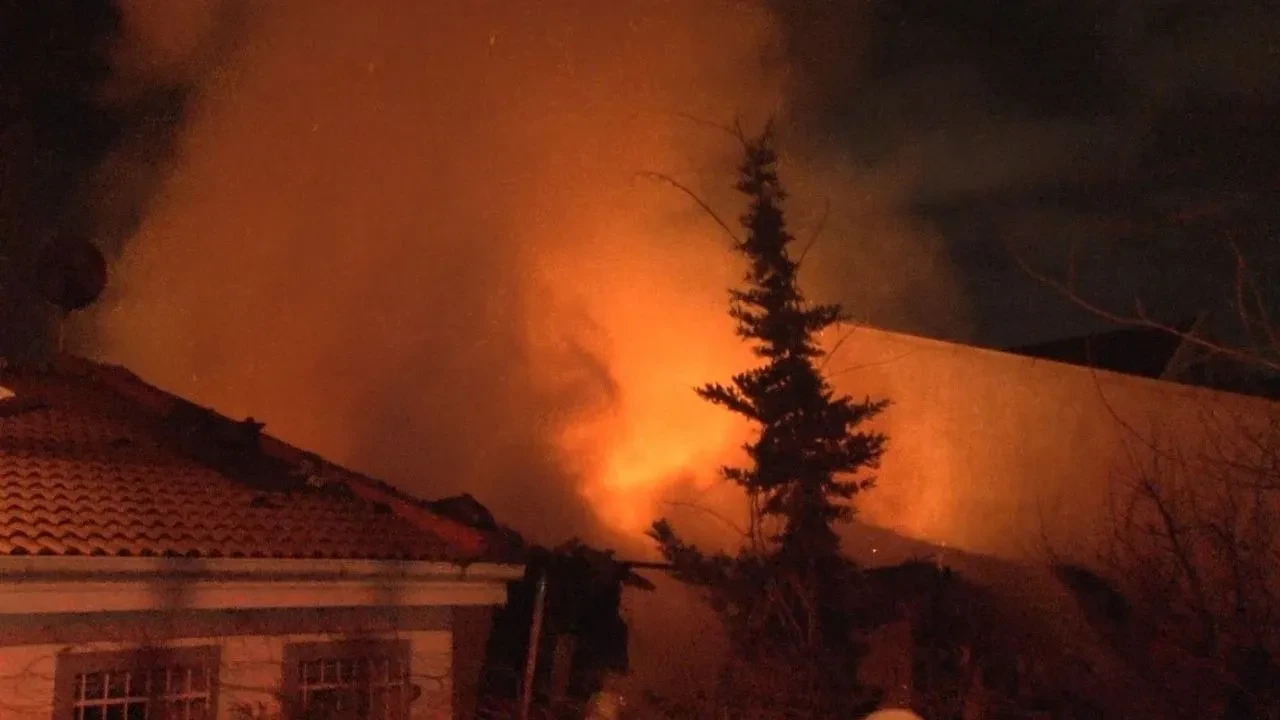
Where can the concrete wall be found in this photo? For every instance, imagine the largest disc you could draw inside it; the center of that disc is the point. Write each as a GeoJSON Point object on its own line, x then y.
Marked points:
{"type": "Point", "coordinates": [250, 673]}
{"type": "Point", "coordinates": [996, 453]}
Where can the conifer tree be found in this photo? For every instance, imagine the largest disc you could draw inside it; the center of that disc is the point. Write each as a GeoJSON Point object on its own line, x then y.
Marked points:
{"type": "Point", "coordinates": [809, 451]}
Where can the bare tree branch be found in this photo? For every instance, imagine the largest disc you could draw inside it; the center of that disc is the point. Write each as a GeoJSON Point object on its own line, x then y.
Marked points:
{"type": "Point", "coordinates": [878, 363]}
{"type": "Point", "coordinates": [1245, 278]}
{"type": "Point", "coordinates": [836, 347]}
{"type": "Point", "coordinates": [687, 504]}
{"type": "Point", "coordinates": [734, 131]}
{"type": "Point", "coordinates": [664, 178]}
{"type": "Point", "coordinates": [817, 231]}
{"type": "Point", "coordinates": [1140, 318]}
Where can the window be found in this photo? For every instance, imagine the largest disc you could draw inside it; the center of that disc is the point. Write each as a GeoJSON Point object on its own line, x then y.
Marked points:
{"type": "Point", "coordinates": [359, 680]}
{"type": "Point", "coordinates": [148, 684]}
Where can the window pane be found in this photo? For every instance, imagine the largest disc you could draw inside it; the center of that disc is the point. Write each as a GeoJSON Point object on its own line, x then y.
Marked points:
{"type": "Point", "coordinates": [359, 684]}
{"type": "Point", "coordinates": [388, 703]}
{"type": "Point", "coordinates": [153, 693]}
{"type": "Point", "coordinates": [117, 684]}
{"type": "Point", "coordinates": [173, 710]}
{"type": "Point", "coordinates": [321, 702]}
{"type": "Point", "coordinates": [94, 685]}
{"type": "Point", "coordinates": [138, 684]}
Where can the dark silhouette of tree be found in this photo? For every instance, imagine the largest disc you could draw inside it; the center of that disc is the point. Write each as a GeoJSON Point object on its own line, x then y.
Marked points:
{"type": "Point", "coordinates": [788, 588]}
{"type": "Point", "coordinates": [582, 614]}
{"type": "Point", "coordinates": [807, 448]}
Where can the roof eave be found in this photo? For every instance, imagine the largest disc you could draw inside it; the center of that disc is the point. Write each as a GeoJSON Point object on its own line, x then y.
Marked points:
{"type": "Point", "coordinates": [87, 567]}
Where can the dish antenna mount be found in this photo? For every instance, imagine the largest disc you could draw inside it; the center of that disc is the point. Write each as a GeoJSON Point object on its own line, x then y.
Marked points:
{"type": "Point", "coordinates": [71, 273]}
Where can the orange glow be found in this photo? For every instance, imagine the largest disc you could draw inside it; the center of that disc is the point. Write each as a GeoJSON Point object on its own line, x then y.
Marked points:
{"type": "Point", "coordinates": [412, 239]}
{"type": "Point", "coordinates": [657, 432]}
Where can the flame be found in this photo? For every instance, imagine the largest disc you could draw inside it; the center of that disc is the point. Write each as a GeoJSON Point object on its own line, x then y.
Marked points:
{"type": "Point", "coordinates": [664, 333]}
{"type": "Point", "coordinates": [658, 440]}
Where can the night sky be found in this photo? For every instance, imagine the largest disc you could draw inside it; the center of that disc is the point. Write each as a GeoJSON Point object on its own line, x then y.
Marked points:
{"type": "Point", "coordinates": [1142, 132]}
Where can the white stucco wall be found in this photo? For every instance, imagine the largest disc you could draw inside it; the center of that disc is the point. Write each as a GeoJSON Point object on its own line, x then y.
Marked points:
{"type": "Point", "coordinates": [250, 673]}
{"type": "Point", "coordinates": [995, 453]}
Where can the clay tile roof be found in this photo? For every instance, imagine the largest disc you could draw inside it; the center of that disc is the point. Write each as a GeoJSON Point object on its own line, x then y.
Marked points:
{"type": "Point", "coordinates": [93, 461]}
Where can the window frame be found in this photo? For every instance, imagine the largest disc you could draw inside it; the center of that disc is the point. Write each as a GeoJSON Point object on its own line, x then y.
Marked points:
{"type": "Point", "coordinates": [299, 652]}
{"type": "Point", "coordinates": [71, 663]}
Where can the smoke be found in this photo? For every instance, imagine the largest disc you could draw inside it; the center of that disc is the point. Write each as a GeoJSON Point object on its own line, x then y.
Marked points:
{"type": "Point", "coordinates": [415, 238]}
{"type": "Point", "coordinates": [1045, 125]}
{"type": "Point", "coordinates": [53, 62]}
{"type": "Point", "coordinates": [91, 115]}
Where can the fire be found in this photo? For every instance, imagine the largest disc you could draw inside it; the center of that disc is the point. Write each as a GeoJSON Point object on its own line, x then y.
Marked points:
{"type": "Point", "coordinates": [661, 441]}
{"type": "Point", "coordinates": [664, 332]}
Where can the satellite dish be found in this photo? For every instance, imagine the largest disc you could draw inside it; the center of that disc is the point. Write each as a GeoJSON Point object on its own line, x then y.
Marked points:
{"type": "Point", "coordinates": [893, 714]}
{"type": "Point", "coordinates": [71, 274]}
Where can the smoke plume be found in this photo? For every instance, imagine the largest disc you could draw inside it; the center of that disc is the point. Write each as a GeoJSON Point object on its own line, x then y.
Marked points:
{"type": "Point", "coordinates": [1138, 133]}
{"type": "Point", "coordinates": [417, 238]}
{"type": "Point", "coordinates": [91, 116]}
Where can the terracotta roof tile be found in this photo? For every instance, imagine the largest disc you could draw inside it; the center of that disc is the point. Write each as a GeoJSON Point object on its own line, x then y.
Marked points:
{"type": "Point", "coordinates": [91, 463]}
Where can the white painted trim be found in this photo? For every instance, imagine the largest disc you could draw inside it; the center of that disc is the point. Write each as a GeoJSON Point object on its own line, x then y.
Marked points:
{"type": "Point", "coordinates": [137, 594]}
{"type": "Point", "coordinates": [50, 584]}
{"type": "Point", "coordinates": [11, 566]}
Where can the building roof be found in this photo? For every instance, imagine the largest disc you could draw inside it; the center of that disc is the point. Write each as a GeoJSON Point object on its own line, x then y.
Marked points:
{"type": "Point", "coordinates": [94, 461]}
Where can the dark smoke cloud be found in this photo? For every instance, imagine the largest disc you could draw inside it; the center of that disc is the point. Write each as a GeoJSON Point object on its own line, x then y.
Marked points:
{"type": "Point", "coordinates": [1140, 131]}
{"type": "Point", "coordinates": [88, 128]}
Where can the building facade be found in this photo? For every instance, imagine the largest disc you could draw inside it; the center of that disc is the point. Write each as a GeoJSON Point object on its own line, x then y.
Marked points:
{"type": "Point", "coordinates": [158, 560]}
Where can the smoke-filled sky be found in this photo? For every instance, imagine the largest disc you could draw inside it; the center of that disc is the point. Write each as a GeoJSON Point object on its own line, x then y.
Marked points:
{"type": "Point", "coordinates": [416, 238]}
{"type": "Point", "coordinates": [1141, 132]}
